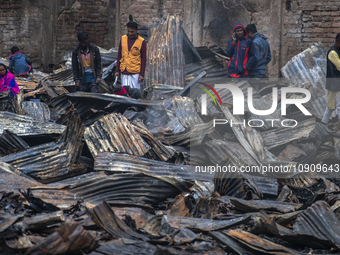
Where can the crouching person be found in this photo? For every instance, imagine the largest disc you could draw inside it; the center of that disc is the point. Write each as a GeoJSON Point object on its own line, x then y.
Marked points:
{"type": "Point", "coordinates": [19, 64]}
{"type": "Point", "coordinates": [7, 81]}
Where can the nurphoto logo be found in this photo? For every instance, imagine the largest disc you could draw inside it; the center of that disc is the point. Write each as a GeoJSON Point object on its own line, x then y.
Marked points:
{"type": "Point", "coordinates": [239, 104]}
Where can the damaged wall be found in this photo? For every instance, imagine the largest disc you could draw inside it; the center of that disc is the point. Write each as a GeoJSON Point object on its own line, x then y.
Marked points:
{"type": "Point", "coordinates": [44, 30]}
{"type": "Point", "coordinates": [307, 22]}
{"type": "Point", "coordinates": [20, 23]}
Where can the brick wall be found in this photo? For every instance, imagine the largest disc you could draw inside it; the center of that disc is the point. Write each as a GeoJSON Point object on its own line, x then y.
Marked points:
{"type": "Point", "coordinates": [307, 22]}
{"type": "Point", "coordinates": [146, 12]}
{"type": "Point", "coordinates": [44, 30]}
{"type": "Point", "coordinates": [20, 27]}
{"type": "Point", "coordinates": [89, 16]}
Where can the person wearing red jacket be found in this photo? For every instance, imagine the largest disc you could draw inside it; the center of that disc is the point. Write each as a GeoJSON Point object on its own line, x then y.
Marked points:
{"type": "Point", "coordinates": [240, 50]}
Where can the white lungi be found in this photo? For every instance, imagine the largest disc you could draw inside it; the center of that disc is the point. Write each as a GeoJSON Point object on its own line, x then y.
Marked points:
{"type": "Point", "coordinates": [130, 80]}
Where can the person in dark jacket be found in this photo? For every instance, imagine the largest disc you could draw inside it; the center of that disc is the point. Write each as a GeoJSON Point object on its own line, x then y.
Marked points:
{"type": "Point", "coordinates": [19, 64]}
{"type": "Point", "coordinates": [240, 50]}
{"type": "Point", "coordinates": [86, 65]}
{"type": "Point", "coordinates": [262, 52]}
{"type": "Point", "coordinates": [333, 81]}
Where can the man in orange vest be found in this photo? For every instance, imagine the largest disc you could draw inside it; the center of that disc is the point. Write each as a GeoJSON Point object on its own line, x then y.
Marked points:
{"type": "Point", "coordinates": [131, 60]}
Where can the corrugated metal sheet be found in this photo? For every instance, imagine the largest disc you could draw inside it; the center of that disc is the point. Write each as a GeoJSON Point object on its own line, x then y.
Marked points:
{"type": "Point", "coordinates": [114, 133]}
{"type": "Point", "coordinates": [134, 189]}
{"type": "Point", "coordinates": [37, 110]}
{"type": "Point", "coordinates": [105, 218]}
{"type": "Point", "coordinates": [194, 224]}
{"type": "Point", "coordinates": [310, 66]}
{"type": "Point", "coordinates": [165, 53]}
{"type": "Point", "coordinates": [64, 78]}
{"type": "Point", "coordinates": [277, 137]}
{"type": "Point", "coordinates": [113, 163]}
{"type": "Point", "coordinates": [50, 158]}
{"type": "Point", "coordinates": [163, 152]}
{"type": "Point", "coordinates": [27, 126]}
{"type": "Point", "coordinates": [11, 143]}
{"type": "Point", "coordinates": [320, 224]}
{"type": "Point", "coordinates": [255, 244]}
{"type": "Point", "coordinates": [70, 237]}
{"type": "Point", "coordinates": [185, 111]}
{"type": "Point", "coordinates": [53, 91]}
{"type": "Point", "coordinates": [258, 205]}
{"type": "Point", "coordinates": [114, 98]}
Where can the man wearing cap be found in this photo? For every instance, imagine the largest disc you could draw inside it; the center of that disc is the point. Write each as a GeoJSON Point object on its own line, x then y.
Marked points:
{"type": "Point", "coordinates": [86, 65]}
{"type": "Point", "coordinates": [131, 60]}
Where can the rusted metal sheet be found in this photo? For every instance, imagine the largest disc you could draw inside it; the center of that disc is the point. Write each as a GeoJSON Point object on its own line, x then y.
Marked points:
{"type": "Point", "coordinates": [229, 184]}
{"type": "Point", "coordinates": [320, 224]}
{"type": "Point", "coordinates": [48, 159]}
{"type": "Point", "coordinates": [310, 66]}
{"type": "Point", "coordinates": [165, 53]}
{"type": "Point", "coordinates": [257, 244]}
{"type": "Point", "coordinates": [219, 151]}
{"type": "Point", "coordinates": [202, 189]}
{"type": "Point", "coordinates": [180, 208]}
{"type": "Point", "coordinates": [51, 90]}
{"type": "Point", "coordinates": [160, 91]}
{"type": "Point", "coordinates": [185, 111]}
{"type": "Point", "coordinates": [290, 153]}
{"type": "Point", "coordinates": [27, 126]}
{"type": "Point", "coordinates": [114, 133]}
{"type": "Point", "coordinates": [106, 219]}
{"type": "Point", "coordinates": [37, 110]}
{"type": "Point", "coordinates": [127, 189]}
{"type": "Point", "coordinates": [195, 224]}
{"type": "Point", "coordinates": [125, 246]}
{"type": "Point", "coordinates": [158, 148]}
{"type": "Point", "coordinates": [113, 163]}
{"type": "Point", "coordinates": [63, 78]}
{"type": "Point", "coordinates": [42, 221]}
{"type": "Point", "coordinates": [191, 137]}
{"type": "Point", "coordinates": [70, 237]}
{"type": "Point", "coordinates": [257, 205]}
{"type": "Point", "coordinates": [239, 133]}
{"type": "Point", "coordinates": [114, 98]}
{"type": "Point", "coordinates": [280, 136]}
{"type": "Point", "coordinates": [11, 143]}
{"type": "Point", "coordinates": [139, 215]}
{"type": "Point", "coordinates": [10, 182]}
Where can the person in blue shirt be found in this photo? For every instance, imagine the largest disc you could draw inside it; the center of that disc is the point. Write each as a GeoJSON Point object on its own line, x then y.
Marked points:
{"type": "Point", "coordinates": [240, 50]}
{"type": "Point", "coordinates": [262, 52]}
{"type": "Point", "coordinates": [19, 64]}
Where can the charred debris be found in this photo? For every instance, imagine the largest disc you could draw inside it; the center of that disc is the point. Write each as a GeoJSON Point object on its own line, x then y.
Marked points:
{"type": "Point", "coordinates": [86, 173]}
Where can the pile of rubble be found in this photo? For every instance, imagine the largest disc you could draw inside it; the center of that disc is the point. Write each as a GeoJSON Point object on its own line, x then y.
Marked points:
{"type": "Point", "coordinates": [106, 174]}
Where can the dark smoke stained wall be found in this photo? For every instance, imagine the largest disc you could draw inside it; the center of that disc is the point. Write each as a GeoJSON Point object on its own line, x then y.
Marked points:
{"type": "Point", "coordinates": [21, 26]}
{"type": "Point", "coordinates": [44, 30]}
{"type": "Point", "coordinates": [211, 22]}
{"type": "Point", "coordinates": [97, 18]}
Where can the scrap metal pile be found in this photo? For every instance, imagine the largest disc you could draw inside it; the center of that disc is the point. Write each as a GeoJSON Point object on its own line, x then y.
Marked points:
{"type": "Point", "coordinates": [106, 174]}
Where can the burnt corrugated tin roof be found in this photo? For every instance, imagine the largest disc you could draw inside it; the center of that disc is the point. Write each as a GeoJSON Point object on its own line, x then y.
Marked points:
{"type": "Point", "coordinates": [113, 163]}
{"type": "Point", "coordinates": [27, 126]}
{"type": "Point", "coordinates": [37, 110]}
{"type": "Point", "coordinates": [165, 53]}
{"type": "Point", "coordinates": [114, 133]}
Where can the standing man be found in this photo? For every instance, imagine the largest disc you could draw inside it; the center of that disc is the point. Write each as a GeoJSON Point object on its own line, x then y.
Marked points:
{"type": "Point", "coordinates": [131, 60]}
{"type": "Point", "coordinates": [86, 65]}
{"type": "Point", "coordinates": [262, 52]}
{"type": "Point", "coordinates": [333, 81]}
{"type": "Point", "coordinates": [240, 50]}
